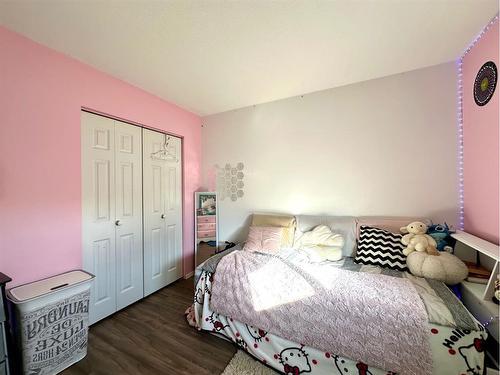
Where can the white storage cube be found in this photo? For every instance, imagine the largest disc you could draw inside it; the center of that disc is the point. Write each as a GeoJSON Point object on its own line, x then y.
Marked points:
{"type": "Point", "coordinates": [51, 321]}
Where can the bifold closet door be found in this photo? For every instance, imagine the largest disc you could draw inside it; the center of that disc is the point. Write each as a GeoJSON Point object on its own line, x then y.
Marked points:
{"type": "Point", "coordinates": [111, 212]}
{"type": "Point", "coordinates": [128, 218]}
{"type": "Point", "coordinates": [98, 212]}
{"type": "Point", "coordinates": [162, 186]}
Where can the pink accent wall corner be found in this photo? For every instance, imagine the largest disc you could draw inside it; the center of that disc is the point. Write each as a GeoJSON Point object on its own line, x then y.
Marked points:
{"type": "Point", "coordinates": [481, 143]}
{"type": "Point", "coordinates": [41, 94]}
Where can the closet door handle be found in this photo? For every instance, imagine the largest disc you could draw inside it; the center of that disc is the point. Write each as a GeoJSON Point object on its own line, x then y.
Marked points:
{"type": "Point", "coordinates": [162, 216]}
{"type": "Point", "coordinates": [118, 223]}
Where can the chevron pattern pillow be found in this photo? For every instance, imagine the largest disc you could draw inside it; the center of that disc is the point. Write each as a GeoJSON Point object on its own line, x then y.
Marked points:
{"type": "Point", "coordinates": [379, 247]}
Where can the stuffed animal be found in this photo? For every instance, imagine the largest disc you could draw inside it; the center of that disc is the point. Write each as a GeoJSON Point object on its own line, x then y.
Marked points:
{"type": "Point", "coordinates": [444, 267]}
{"type": "Point", "coordinates": [496, 295]}
{"type": "Point", "coordinates": [417, 240]}
{"type": "Point", "coordinates": [441, 234]}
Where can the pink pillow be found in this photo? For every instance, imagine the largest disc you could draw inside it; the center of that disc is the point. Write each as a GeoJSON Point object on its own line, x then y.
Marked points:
{"type": "Point", "coordinates": [264, 239]}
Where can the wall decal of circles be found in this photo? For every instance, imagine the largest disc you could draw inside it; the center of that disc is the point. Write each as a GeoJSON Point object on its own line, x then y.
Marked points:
{"type": "Point", "coordinates": [230, 181]}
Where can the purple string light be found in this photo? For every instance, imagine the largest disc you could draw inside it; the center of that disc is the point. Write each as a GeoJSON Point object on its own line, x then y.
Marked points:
{"type": "Point", "coordinates": [460, 123]}
{"type": "Point", "coordinates": [488, 322]}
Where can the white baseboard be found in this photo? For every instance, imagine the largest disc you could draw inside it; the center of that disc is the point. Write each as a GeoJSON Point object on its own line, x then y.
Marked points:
{"type": "Point", "coordinates": [190, 274]}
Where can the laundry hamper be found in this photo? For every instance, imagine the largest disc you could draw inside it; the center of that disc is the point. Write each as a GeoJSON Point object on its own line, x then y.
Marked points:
{"type": "Point", "coordinates": [50, 322]}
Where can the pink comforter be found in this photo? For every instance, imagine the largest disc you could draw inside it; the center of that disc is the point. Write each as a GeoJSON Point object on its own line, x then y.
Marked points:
{"type": "Point", "coordinates": [377, 319]}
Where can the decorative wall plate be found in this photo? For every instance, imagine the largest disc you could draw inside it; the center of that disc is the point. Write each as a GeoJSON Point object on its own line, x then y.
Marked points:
{"type": "Point", "coordinates": [485, 83]}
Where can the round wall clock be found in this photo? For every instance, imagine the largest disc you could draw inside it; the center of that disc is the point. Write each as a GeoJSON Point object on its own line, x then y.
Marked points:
{"type": "Point", "coordinates": [485, 83]}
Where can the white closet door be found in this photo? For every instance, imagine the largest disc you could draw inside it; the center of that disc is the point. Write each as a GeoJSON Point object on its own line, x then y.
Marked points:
{"type": "Point", "coordinates": [173, 212]}
{"type": "Point", "coordinates": [98, 211]}
{"type": "Point", "coordinates": [162, 212]}
{"type": "Point", "coordinates": [128, 219]}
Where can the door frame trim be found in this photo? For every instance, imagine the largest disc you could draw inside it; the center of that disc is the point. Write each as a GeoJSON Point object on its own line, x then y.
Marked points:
{"type": "Point", "coordinates": [112, 117]}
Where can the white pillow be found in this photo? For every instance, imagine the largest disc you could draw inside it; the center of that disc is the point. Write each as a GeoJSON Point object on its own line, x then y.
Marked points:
{"type": "Point", "coordinates": [321, 235]}
{"type": "Point", "coordinates": [343, 225]}
{"type": "Point", "coordinates": [318, 254]}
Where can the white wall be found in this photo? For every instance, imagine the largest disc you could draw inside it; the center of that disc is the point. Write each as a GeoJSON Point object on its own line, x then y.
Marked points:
{"type": "Point", "coordinates": [381, 147]}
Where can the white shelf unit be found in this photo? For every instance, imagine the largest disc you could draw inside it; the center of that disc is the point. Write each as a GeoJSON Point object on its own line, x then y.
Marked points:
{"type": "Point", "coordinates": [477, 297]}
{"type": "Point", "coordinates": [483, 246]}
{"type": "Point", "coordinates": [473, 298]}
{"type": "Point", "coordinates": [487, 248]}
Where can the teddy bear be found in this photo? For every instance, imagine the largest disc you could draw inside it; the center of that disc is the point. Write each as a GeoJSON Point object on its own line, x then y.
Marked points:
{"type": "Point", "coordinates": [416, 239]}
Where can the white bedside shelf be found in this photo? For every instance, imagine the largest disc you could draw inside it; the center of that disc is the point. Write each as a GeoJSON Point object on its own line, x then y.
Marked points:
{"type": "Point", "coordinates": [477, 291]}
{"type": "Point", "coordinates": [487, 248]}
{"type": "Point", "coordinates": [483, 246]}
{"type": "Point", "coordinates": [477, 297]}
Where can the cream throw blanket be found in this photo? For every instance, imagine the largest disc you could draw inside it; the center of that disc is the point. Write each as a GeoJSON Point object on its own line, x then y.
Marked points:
{"type": "Point", "coordinates": [373, 318]}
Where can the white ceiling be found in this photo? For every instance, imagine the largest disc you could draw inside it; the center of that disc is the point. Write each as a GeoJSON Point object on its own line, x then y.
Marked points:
{"type": "Point", "coordinates": [212, 56]}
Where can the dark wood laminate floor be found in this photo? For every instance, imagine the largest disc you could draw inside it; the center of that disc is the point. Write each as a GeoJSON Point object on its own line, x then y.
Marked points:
{"type": "Point", "coordinates": [153, 337]}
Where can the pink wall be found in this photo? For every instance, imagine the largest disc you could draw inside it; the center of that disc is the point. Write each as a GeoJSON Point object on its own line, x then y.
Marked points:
{"type": "Point", "coordinates": [481, 144]}
{"type": "Point", "coordinates": [41, 93]}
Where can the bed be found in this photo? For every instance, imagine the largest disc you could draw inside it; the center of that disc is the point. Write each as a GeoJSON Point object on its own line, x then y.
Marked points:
{"type": "Point", "coordinates": [290, 345]}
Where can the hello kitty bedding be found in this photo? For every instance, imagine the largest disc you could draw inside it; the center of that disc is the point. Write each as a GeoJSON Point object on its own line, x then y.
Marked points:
{"type": "Point", "coordinates": [454, 337]}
